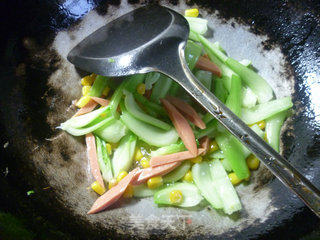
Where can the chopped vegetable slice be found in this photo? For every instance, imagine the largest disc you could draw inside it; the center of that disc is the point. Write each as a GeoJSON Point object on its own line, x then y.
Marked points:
{"type": "Point", "coordinates": [265, 110]}
{"type": "Point", "coordinates": [133, 81]}
{"type": "Point", "coordinates": [190, 195]}
{"type": "Point", "coordinates": [198, 25]}
{"type": "Point", "coordinates": [234, 99]}
{"type": "Point", "coordinates": [93, 159]}
{"type": "Point", "coordinates": [205, 77]}
{"type": "Point", "coordinates": [112, 195]}
{"type": "Point", "coordinates": [112, 132]}
{"type": "Point", "coordinates": [177, 173]}
{"type": "Point", "coordinates": [182, 126]}
{"type": "Point", "coordinates": [249, 99]}
{"type": "Point", "coordinates": [202, 178]}
{"type": "Point", "coordinates": [218, 88]}
{"type": "Point", "coordinates": [192, 54]}
{"type": "Point", "coordinates": [212, 48]}
{"type": "Point", "coordinates": [257, 84]}
{"type": "Point", "coordinates": [232, 150]}
{"type": "Point", "coordinates": [98, 86]}
{"type": "Point", "coordinates": [104, 160]}
{"type": "Point", "coordinates": [224, 188]}
{"type": "Point", "coordinates": [134, 109]}
{"type": "Point", "coordinates": [148, 133]}
{"type": "Point", "coordinates": [142, 191]}
{"type": "Point", "coordinates": [172, 148]}
{"type": "Point", "coordinates": [161, 88]}
{"type": "Point", "coordinates": [188, 111]}
{"type": "Point", "coordinates": [123, 155]}
{"type": "Point", "coordinates": [273, 127]}
{"type": "Point", "coordinates": [151, 78]}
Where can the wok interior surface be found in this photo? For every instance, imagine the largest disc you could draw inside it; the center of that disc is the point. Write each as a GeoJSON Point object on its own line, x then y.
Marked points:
{"type": "Point", "coordinates": [38, 85]}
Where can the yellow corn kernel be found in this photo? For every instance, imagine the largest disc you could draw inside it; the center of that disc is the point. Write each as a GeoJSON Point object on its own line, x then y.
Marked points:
{"type": "Point", "coordinates": [85, 90]}
{"type": "Point", "coordinates": [253, 162]}
{"type": "Point", "coordinates": [121, 175]}
{"type": "Point", "coordinates": [113, 182]}
{"type": "Point", "coordinates": [197, 159]}
{"type": "Point", "coordinates": [128, 193]}
{"type": "Point", "coordinates": [106, 91]}
{"type": "Point", "coordinates": [83, 101]}
{"type": "Point", "coordinates": [154, 182]}
{"type": "Point", "coordinates": [176, 197]}
{"type": "Point", "coordinates": [188, 177]}
{"type": "Point", "coordinates": [109, 148]}
{"type": "Point", "coordinates": [141, 88]}
{"type": "Point", "coordinates": [93, 76]}
{"type": "Point", "coordinates": [138, 156]}
{"type": "Point", "coordinates": [261, 124]}
{"type": "Point", "coordinates": [87, 80]}
{"type": "Point", "coordinates": [98, 188]}
{"type": "Point", "coordinates": [194, 12]}
{"type": "Point", "coordinates": [234, 179]}
{"type": "Point", "coordinates": [144, 162]}
{"type": "Point", "coordinates": [213, 146]}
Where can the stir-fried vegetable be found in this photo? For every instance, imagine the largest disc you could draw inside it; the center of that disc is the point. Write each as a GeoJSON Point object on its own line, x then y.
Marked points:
{"type": "Point", "coordinates": [183, 154]}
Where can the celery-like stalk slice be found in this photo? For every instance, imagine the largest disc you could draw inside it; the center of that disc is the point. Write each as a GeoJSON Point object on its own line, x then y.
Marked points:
{"type": "Point", "coordinates": [104, 160]}
{"type": "Point", "coordinates": [273, 128]}
{"type": "Point", "coordinates": [151, 78]}
{"type": "Point", "coordinates": [224, 188]}
{"type": "Point", "coordinates": [232, 149]}
{"type": "Point", "coordinates": [205, 78]}
{"type": "Point", "coordinates": [154, 136]}
{"type": "Point", "coordinates": [198, 25]}
{"type": "Point", "coordinates": [257, 84]}
{"type": "Point", "coordinates": [134, 109]}
{"type": "Point", "coordinates": [112, 133]}
{"type": "Point", "coordinates": [161, 88]}
{"type": "Point", "coordinates": [202, 178]}
{"type": "Point", "coordinates": [123, 155]}
{"type": "Point", "coordinates": [172, 148]}
{"type": "Point", "coordinates": [177, 173]}
{"type": "Point", "coordinates": [249, 99]}
{"type": "Point", "coordinates": [192, 54]}
{"type": "Point", "coordinates": [190, 195]}
{"type": "Point", "coordinates": [265, 110]}
{"type": "Point", "coordinates": [99, 84]}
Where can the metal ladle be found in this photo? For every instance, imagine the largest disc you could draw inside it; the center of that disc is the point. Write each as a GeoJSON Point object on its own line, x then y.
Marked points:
{"type": "Point", "coordinates": [153, 38]}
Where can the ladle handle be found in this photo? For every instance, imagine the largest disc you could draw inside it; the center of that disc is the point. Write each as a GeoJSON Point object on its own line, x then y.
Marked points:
{"type": "Point", "coordinates": [279, 166]}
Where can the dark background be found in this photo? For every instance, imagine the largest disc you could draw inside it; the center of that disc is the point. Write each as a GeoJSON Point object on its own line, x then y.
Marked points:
{"type": "Point", "coordinates": [294, 25]}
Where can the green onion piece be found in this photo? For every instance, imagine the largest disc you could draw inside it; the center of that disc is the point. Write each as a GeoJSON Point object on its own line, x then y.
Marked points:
{"type": "Point", "coordinates": [273, 128]}
{"type": "Point", "coordinates": [265, 110]}
{"type": "Point", "coordinates": [246, 62]}
{"type": "Point", "coordinates": [232, 149]}
{"type": "Point", "coordinates": [190, 195]}
{"type": "Point", "coordinates": [257, 84]}
{"type": "Point", "coordinates": [193, 36]}
{"type": "Point", "coordinates": [134, 109]}
{"type": "Point", "coordinates": [202, 178]}
{"type": "Point", "coordinates": [104, 160]}
{"type": "Point", "coordinates": [225, 163]}
{"type": "Point", "coordinates": [177, 173]}
{"type": "Point", "coordinates": [123, 155]}
{"type": "Point", "coordinates": [224, 188]}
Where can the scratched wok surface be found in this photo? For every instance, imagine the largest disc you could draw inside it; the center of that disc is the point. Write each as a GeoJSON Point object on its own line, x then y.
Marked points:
{"type": "Point", "coordinates": [37, 86]}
